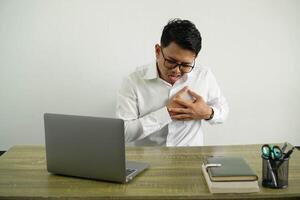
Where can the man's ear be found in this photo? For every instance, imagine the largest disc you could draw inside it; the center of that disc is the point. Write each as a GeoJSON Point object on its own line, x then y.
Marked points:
{"type": "Point", "coordinates": [157, 50]}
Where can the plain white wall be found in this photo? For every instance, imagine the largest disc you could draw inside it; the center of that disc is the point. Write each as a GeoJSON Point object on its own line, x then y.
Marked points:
{"type": "Point", "coordinates": [70, 57]}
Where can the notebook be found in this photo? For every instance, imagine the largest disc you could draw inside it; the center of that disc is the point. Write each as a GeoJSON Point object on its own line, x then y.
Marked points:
{"type": "Point", "coordinates": [88, 147]}
{"type": "Point", "coordinates": [229, 186]}
{"type": "Point", "coordinates": [231, 169]}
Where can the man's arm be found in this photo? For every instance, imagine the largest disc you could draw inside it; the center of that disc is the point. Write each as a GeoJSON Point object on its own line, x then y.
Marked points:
{"type": "Point", "coordinates": [138, 127]}
{"type": "Point", "coordinates": [216, 101]}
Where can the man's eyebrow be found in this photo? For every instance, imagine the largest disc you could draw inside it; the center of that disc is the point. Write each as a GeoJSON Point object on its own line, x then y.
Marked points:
{"type": "Point", "coordinates": [173, 59]}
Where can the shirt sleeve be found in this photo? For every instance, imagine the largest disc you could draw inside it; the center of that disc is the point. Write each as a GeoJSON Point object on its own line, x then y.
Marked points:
{"type": "Point", "coordinates": [216, 100]}
{"type": "Point", "coordinates": [138, 127]}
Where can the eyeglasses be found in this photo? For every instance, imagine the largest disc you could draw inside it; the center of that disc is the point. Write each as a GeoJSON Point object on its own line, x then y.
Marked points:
{"type": "Point", "coordinates": [184, 68]}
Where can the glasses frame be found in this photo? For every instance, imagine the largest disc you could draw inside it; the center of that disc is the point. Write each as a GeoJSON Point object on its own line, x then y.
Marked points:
{"type": "Point", "coordinates": [180, 65]}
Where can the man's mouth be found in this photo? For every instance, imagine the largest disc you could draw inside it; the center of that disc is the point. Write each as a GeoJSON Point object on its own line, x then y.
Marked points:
{"type": "Point", "coordinates": [174, 78]}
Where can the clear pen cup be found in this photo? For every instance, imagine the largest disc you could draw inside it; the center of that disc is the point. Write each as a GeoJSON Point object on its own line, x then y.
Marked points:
{"type": "Point", "coordinates": [275, 173]}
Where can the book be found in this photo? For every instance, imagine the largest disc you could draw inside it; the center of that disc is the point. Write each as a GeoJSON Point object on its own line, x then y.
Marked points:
{"type": "Point", "coordinates": [229, 187]}
{"type": "Point", "coordinates": [231, 169]}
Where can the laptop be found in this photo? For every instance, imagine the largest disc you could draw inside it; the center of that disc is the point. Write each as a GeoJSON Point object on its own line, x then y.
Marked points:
{"type": "Point", "coordinates": [88, 147]}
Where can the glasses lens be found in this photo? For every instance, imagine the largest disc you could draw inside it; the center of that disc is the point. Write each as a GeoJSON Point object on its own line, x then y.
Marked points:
{"type": "Point", "coordinates": [169, 64]}
{"type": "Point", "coordinates": [186, 69]}
{"type": "Point", "coordinates": [183, 68]}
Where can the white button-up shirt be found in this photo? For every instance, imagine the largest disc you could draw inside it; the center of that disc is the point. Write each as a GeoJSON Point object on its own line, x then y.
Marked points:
{"type": "Point", "coordinates": [142, 100]}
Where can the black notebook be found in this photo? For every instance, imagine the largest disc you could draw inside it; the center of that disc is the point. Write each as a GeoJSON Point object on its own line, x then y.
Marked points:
{"type": "Point", "coordinates": [229, 186]}
{"type": "Point", "coordinates": [231, 169]}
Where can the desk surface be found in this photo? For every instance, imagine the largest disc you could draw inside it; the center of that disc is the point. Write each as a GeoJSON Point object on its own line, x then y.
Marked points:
{"type": "Point", "coordinates": [175, 173]}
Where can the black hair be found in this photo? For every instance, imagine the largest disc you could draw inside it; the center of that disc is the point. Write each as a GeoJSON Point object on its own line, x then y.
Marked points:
{"type": "Point", "coordinates": [184, 33]}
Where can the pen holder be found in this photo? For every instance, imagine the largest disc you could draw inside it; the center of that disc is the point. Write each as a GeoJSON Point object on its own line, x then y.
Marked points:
{"type": "Point", "coordinates": [275, 173]}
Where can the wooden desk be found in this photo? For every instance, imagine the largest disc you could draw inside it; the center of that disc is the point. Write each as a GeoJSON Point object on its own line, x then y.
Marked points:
{"type": "Point", "coordinates": [175, 173]}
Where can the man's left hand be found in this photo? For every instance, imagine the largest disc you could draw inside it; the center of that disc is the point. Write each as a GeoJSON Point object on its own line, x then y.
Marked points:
{"type": "Point", "coordinates": [192, 110]}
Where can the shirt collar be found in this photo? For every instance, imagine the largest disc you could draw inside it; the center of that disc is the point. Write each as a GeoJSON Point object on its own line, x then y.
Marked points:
{"type": "Point", "coordinates": [151, 72]}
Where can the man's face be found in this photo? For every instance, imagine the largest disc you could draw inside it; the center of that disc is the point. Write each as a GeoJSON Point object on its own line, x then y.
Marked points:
{"type": "Point", "coordinates": [174, 53]}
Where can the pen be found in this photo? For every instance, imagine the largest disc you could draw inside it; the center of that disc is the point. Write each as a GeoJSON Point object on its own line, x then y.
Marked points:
{"type": "Point", "coordinates": [288, 154]}
{"type": "Point", "coordinates": [284, 147]}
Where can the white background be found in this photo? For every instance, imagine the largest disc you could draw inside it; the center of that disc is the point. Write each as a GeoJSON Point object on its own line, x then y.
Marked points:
{"type": "Point", "coordinates": [70, 57]}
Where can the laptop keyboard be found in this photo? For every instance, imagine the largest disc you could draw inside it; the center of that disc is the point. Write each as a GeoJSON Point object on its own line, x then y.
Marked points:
{"type": "Point", "coordinates": [130, 171]}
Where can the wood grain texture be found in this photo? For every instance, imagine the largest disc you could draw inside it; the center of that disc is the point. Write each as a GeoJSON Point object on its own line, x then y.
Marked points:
{"type": "Point", "coordinates": [175, 173]}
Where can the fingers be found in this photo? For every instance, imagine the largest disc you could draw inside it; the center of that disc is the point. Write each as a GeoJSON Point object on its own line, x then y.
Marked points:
{"type": "Point", "coordinates": [183, 117]}
{"type": "Point", "coordinates": [180, 110]}
{"type": "Point", "coordinates": [194, 94]}
{"type": "Point", "coordinates": [184, 89]}
{"type": "Point", "coordinates": [182, 102]}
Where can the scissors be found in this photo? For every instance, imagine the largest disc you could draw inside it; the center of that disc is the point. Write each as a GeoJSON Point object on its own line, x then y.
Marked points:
{"type": "Point", "coordinates": [271, 152]}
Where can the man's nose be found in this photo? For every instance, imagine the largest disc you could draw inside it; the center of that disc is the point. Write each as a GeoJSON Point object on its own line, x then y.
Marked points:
{"type": "Point", "coordinates": [177, 70]}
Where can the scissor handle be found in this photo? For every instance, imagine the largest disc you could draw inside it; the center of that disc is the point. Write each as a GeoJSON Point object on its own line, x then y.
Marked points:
{"type": "Point", "coordinates": [277, 152]}
{"type": "Point", "coordinates": [266, 151]}
{"type": "Point", "coordinates": [270, 151]}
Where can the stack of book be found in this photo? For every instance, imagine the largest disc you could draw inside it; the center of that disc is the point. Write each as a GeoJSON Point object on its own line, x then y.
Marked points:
{"type": "Point", "coordinates": [229, 175]}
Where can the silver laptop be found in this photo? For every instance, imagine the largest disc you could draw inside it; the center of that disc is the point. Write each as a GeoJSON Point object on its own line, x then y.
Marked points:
{"type": "Point", "coordinates": [88, 147]}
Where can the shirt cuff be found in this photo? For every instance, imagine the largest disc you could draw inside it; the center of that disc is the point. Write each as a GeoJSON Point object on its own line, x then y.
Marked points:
{"type": "Point", "coordinates": [216, 115]}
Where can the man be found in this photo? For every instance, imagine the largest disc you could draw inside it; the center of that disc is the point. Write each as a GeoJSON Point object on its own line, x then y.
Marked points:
{"type": "Point", "coordinates": [164, 103]}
